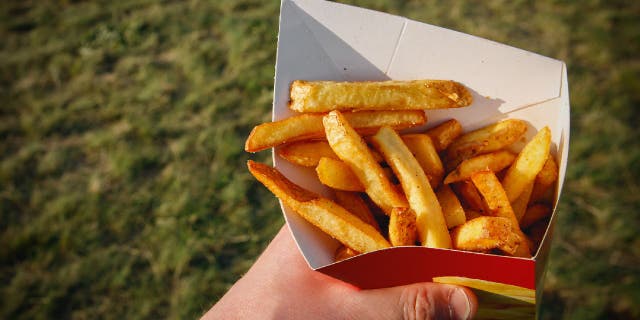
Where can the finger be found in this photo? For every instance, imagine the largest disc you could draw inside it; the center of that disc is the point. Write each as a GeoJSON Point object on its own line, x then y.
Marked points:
{"type": "Point", "coordinates": [416, 301]}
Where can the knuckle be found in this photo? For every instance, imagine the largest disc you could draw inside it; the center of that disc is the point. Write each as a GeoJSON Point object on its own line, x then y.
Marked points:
{"type": "Point", "coordinates": [418, 303]}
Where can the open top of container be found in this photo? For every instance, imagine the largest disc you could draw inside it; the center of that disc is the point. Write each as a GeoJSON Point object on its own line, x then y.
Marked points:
{"type": "Point", "coordinates": [321, 40]}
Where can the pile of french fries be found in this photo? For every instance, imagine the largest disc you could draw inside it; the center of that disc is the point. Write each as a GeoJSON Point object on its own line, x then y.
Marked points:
{"type": "Point", "coordinates": [442, 188]}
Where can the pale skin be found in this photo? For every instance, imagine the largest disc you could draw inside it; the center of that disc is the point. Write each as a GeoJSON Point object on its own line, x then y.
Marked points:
{"type": "Point", "coordinates": [280, 285]}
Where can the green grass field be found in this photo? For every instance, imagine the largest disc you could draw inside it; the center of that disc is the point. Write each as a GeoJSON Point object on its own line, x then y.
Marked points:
{"type": "Point", "coordinates": [123, 186]}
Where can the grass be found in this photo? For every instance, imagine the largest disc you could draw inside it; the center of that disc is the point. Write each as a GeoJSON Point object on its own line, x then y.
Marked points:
{"type": "Point", "coordinates": [123, 187]}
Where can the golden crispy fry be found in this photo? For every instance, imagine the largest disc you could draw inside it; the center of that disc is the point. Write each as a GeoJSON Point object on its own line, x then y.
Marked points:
{"type": "Point", "coordinates": [352, 149]}
{"type": "Point", "coordinates": [444, 134]}
{"type": "Point", "coordinates": [432, 228]}
{"type": "Point", "coordinates": [309, 126]}
{"type": "Point", "coordinates": [451, 208]}
{"type": "Point", "coordinates": [321, 212]}
{"type": "Point", "coordinates": [515, 292]}
{"type": "Point", "coordinates": [307, 153]}
{"type": "Point", "coordinates": [344, 252]}
{"type": "Point", "coordinates": [520, 205]}
{"type": "Point", "coordinates": [338, 175]}
{"type": "Point", "coordinates": [423, 150]}
{"type": "Point", "coordinates": [534, 214]}
{"type": "Point", "coordinates": [356, 205]}
{"type": "Point", "coordinates": [494, 161]}
{"type": "Point", "coordinates": [528, 164]}
{"type": "Point", "coordinates": [484, 140]}
{"type": "Point", "coordinates": [498, 204]}
{"type": "Point", "coordinates": [469, 196]}
{"type": "Point", "coordinates": [402, 227]}
{"type": "Point", "coordinates": [484, 234]}
{"type": "Point", "coordinates": [545, 180]}
{"type": "Point", "coordinates": [323, 96]}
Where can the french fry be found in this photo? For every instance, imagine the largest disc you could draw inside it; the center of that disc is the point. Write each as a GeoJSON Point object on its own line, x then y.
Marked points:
{"type": "Point", "coordinates": [471, 214]}
{"type": "Point", "coordinates": [423, 150]}
{"type": "Point", "coordinates": [321, 212]}
{"type": "Point", "coordinates": [545, 179]}
{"type": "Point", "coordinates": [352, 149]}
{"type": "Point", "coordinates": [452, 210]}
{"type": "Point", "coordinates": [402, 227]}
{"type": "Point", "coordinates": [344, 252]}
{"type": "Point", "coordinates": [484, 140]}
{"type": "Point", "coordinates": [309, 127]}
{"type": "Point", "coordinates": [323, 96]}
{"type": "Point", "coordinates": [484, 234]}
{"type": "Point", "coordinates": [498, 204]}
{"type": "Point", "coordinates": [520, 205]}
{"type": "Point", "coordinates": [432, 228]}
{"type": "Point", "coordinates": [534, 214]}
{"type": "Point", "coordinates": [494, 161]}
{"type": "Point", "coordinates": [528, 164]}
{"type": "Point", "coordinates": [338, 175]}
{"type": "Point", "coordinates": [469, 196]}
{"type": "Point", "coordinates": [306, 153]}
{"type": "Point", "coordinates": [444, 134]}
{"type": "Point", "coordinates": [356, 205]}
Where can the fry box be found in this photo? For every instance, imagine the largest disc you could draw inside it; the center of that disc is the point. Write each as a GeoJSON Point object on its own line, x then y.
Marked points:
{"type": "Point", "coordinates": [321, 40]}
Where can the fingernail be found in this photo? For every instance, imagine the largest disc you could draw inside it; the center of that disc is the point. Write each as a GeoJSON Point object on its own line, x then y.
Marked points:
{"type": "Point", "coordinates": [459, 304]}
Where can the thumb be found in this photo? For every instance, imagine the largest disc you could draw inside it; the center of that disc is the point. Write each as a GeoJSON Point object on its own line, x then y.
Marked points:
{"type": "Point", "coordinates": [416, 301]}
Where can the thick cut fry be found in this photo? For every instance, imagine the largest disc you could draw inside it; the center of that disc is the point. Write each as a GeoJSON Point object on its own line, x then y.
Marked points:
{"type": "Point", "coordinates": [528, 164]}
{"type": "Point", "coordinates": [484, 234]}
{"type": "Point", "coordinates": [451, 208]}
{"type": "Point", "coordinates": [323, 96]}
{"type": "Point", "coordinates": [352, 149]}
{"type": "Point", "coordinates": [309, 126]}
{"type": "Point", "coordinates": [344, 252]}
{"type": "Point", "coordinates": [487, 139]}
{"type": "Point", "coordinates": [402, 227]}
{"type": "Point", "coordinates": [432, 228]}
{"type": "Point", "coordinates": [338, 175]}
{"type": "Point", "coordinates": [494, 161]}
{"type": "Point", "coordinates": [469, 196]}
{"type": "Point", "coordinates": [321, 212]}
{"type": "Point", "coordinates": [307, 153]}
{"type": "Point", "coordinates": [534, 214]}
{"type": "Point", "coordinates": [536, 233]}
{"type": "Point", "coordinates": [356, 205]}
{"type": "Point", "coordinates": [444, 134]}
{"type": "Point", "coordinates": [520, 205]}
{"type": "Point", "coordinates": [498, 204]}
{"type": "Point", "coordinates": [544, 180]}
{"type": "Point", "coordinates": [423, 150]}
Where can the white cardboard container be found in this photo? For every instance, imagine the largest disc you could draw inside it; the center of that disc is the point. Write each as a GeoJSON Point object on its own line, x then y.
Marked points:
{"type": "Point", "coordinates": [321, 40]}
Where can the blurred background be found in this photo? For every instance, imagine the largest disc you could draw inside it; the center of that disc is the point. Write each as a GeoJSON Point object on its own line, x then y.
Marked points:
{"type": "Point", "coordinates": [123, 185]}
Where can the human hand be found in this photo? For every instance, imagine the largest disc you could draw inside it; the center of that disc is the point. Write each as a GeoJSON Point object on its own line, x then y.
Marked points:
{"type": "Point", "coordinates": [280, 285]}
